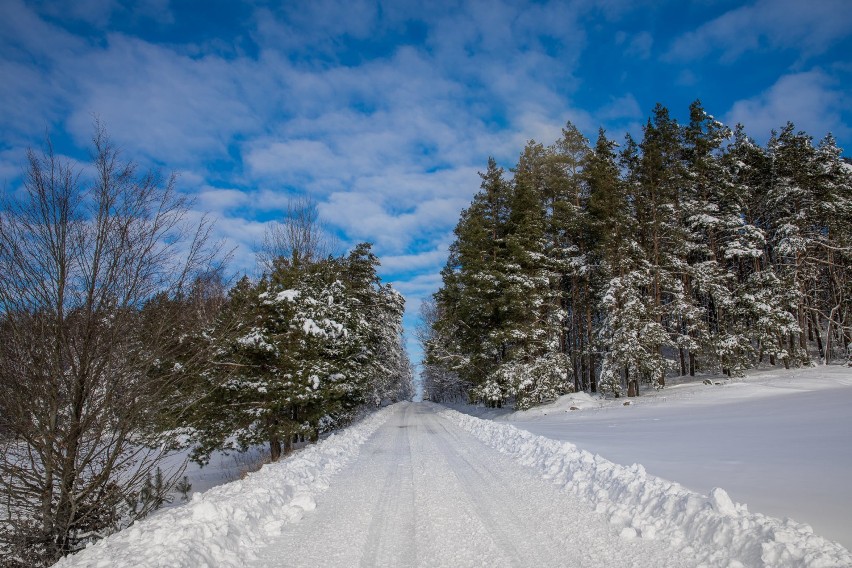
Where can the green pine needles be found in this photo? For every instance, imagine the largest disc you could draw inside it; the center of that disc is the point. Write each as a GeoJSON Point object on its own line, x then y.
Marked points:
{"type": "Point", "coordinates": [603, 268]}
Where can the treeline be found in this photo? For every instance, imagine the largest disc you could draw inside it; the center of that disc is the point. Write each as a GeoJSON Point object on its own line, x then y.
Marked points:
{"type": "Point", "coordinates": [602, 268]}
{"type": "Point", "coordinates": [121, 343]}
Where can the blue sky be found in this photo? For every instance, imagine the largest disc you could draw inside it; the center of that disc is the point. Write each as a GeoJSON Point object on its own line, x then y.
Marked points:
{"type": "Point", "coordinates": [383, 112]}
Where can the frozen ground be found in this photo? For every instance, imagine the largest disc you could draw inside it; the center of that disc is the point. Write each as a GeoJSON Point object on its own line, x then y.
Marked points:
{"type": "Point", "coordinates": [421, 485]}
{"type": "Point", "coordinates": [779, 441]}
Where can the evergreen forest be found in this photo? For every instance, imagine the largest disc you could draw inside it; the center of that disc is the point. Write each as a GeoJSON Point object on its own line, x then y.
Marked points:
{"type": "Point", "coordinates": [605, 267]}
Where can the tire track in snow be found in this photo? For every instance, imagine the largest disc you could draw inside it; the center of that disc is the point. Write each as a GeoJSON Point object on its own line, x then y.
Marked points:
{"type": "Point", "coordinates": [423, 492]}
{"type": "Point", "coordinates": [398, 489]}
{"type": "Point", "coordinates": [472, 481]}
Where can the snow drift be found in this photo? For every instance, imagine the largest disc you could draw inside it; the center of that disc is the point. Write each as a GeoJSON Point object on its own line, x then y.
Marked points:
{"type": "Point", "coordinates": [713, 528]}
{"type": "Point", "coordinates": [223, 526]}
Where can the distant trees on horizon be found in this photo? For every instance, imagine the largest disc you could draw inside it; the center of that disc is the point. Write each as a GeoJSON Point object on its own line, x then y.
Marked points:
{"type": "Point", "coordinates": [599, 268]}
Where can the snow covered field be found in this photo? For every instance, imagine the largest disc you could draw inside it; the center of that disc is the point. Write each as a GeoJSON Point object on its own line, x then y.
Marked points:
{"type": "Point", "coordinates": [779, 441]}
{"type": "Point", "coordinates": [422, 485]}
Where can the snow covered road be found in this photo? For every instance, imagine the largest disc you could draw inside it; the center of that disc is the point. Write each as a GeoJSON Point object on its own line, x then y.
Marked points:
{"type": "Point", "coordinates": [422, 485]}
{"type": "Point", "coordinates": [426, 493]}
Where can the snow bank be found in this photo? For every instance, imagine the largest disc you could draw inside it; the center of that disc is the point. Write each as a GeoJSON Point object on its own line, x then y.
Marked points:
{"type": "Point", "coordinates": [223, 526]}
{"type": "Point", "coordinates": [715, 530]}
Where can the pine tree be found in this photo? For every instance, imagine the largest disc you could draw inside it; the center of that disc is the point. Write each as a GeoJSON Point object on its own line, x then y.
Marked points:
{"type": "Point", "coordinates": [713, 219]}
{"type": "Point", "coordinates": [831, 298]}
{"type": "Point", "coordinates": [471, 305]}
{"type": "Point", "coordinates": [616, 254]}
{"type": "Point", "coordinates": [299, 352]}
{"type": "Point", "coordinates": [535, 368]}
{"type": "Point", "coordinates": [661, 174]}
{"type": "Point", "coordinates": [570, 250]}
{"type": "Point", "coordinates": [761, 304]}
{"type": "Point", "coordinates": [795, 197]}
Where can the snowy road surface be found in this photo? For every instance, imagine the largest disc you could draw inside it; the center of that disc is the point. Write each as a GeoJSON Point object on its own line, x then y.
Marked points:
{"type": "Point", "coordinates": [425, 493]}
{"type": "Point", "coordinates": [421, 485]}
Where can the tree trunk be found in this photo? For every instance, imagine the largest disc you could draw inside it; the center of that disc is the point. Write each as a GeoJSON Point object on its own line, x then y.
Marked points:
{"type": "Point", "coordinates": [274, 447]}
{"type": "Point", "coordinates": [793, 342]}
{"type": "Point", "coordinates": [827, 354]}
{"type": "Point", "coordinates": [632, 387]}
{"type": "Point", "coordinates": [590, 339]}
{"type": "Point", "coordinates": [818, 332]}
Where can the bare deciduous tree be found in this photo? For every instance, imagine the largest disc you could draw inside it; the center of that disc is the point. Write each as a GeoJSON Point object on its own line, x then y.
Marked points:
{"type": "Point", "coordinates": [78, 259]}
{"type": "Point", "coordinates": [300, 238]}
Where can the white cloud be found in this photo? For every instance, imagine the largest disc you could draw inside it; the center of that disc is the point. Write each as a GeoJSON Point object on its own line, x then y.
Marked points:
{"type": "Point", "coordinates": [636, 46]}
{"type": "Point", "coordinates": [406, 263]}
{"type": "Point", "coordinates": [172, 108]}
{"type": "Point", "coordinates": [363, 217]}
{"type": "Point", "coordinates": [416, 290]}
{"type": "Point", "coordinates": [238, 236]}
{"type": "Point", "coordinates": [221, 201]}
{"type": "Point", "coordinates": [12, 162]}
{"type": "Point", "coordinates": [810, 100]}
{"type": "Point", "coordinates": [26, 36]}
{"type": "Point", "coordinates": [687, 78]}
{"type": "Point", "coordinates": [624, 107]}
{"type": "Point", "coordinates": [419, 287]}
{"type": "Point", "coordinates": [291, 159]}
{"type": "Point", "coordinates": [100, 12]}
{"type": "Point", "coordinates": [810, 26]}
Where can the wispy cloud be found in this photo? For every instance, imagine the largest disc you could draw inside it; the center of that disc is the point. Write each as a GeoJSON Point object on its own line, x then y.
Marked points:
{"type": "Point", "coordinates": [636, 45]}
{"type": "Point", "coordinates": [168, 106]}
{"type": "Point", "coordinates": [811, 100]}
{"type": "Point", "coordinates": [810, 27]}
{"type": "Point", "coordinates": [101, 12]}
{"type": "Point", "coordinates": [624, 107]}
{"type": "Point", "coordinates": [405, 263]}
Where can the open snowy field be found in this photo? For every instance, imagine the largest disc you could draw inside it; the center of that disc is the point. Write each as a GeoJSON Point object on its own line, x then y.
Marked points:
{"type": "Point", "coordinates": [423, 485]}
{"type": "Point", "coordinates": [779, 441]}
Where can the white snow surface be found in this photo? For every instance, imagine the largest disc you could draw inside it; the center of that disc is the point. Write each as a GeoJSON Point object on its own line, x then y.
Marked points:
{"type": "Point", "coordinates": [423, 485]}
{"type": "Point", "coordinates": [226, 524]}
{"type": "Point", "coordinates": [777, 440]}
{"type": "Point", "coordinates": [712, 530]}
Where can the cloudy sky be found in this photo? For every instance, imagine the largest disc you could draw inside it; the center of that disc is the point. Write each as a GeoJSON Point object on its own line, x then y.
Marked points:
{"type": "Point", "coordinates": [383, 112]}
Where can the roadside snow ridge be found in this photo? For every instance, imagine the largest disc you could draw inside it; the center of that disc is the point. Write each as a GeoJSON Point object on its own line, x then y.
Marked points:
{"type": "Point", "coordinates": [716, 530]}
{"type": "Point", "coordinates": [226, 524]}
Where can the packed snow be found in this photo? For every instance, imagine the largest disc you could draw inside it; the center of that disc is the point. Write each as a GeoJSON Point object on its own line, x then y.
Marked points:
{"type": "Point", "coordinates": [423, 485]}
{"type": "Point", "coordinates": [777, 440]}
{"type": "Point", "coordinates": [711, 530]}
{"type": "Point", "coordinates": [226, 524]}
{"type": "Point", "coordinates": [426, 493]}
